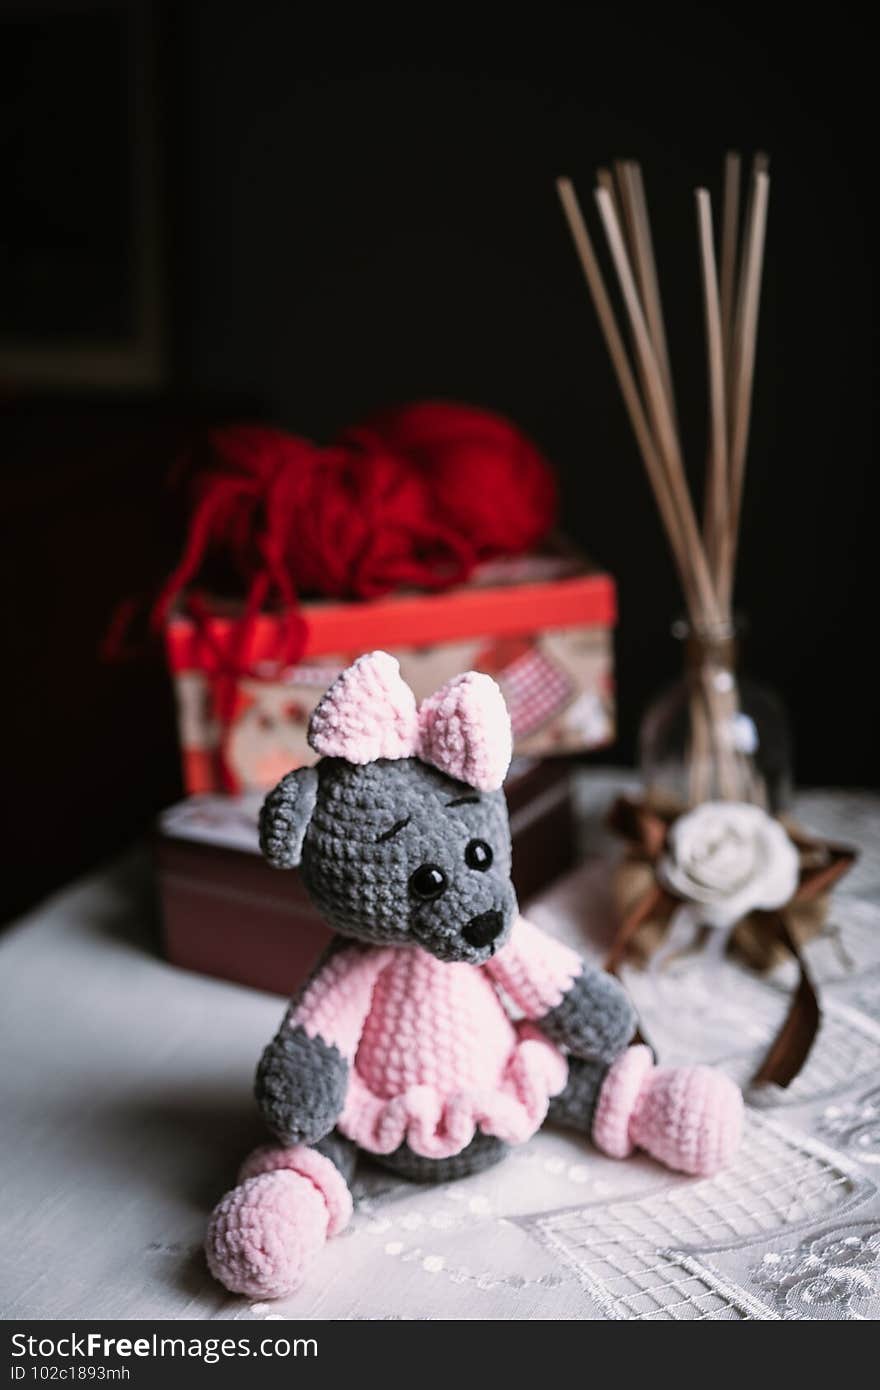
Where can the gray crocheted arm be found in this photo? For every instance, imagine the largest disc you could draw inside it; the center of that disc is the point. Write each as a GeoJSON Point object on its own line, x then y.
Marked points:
{"type": "Point", "coordinates": [300, 1087]}
{"type": "Point", "coordinates": [579, 1007]}
{"type": "Point", "coordinates": [302, 1079]}
{"type": "Point", "coordinates": [595, 1019]}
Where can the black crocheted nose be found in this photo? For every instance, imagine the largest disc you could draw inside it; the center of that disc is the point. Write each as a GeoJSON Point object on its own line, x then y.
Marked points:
{"type": "Point", "coordinates": [482, 930]}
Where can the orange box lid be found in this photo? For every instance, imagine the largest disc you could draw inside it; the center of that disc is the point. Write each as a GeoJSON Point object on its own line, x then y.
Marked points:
{"type": "Point", "coordinates": [504, 599]}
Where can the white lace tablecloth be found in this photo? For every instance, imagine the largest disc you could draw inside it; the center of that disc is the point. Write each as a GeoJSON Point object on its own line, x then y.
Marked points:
{"type": "Point", "coordinates": [126, 1107]}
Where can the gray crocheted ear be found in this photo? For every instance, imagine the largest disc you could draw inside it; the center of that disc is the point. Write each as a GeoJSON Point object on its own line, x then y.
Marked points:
{"type": "Point", "coordinates": [285, 816]}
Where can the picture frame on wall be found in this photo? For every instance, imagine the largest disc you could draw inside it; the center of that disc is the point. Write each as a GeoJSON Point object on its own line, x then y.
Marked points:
{"type": "Point", "coordinates": [81, 273]}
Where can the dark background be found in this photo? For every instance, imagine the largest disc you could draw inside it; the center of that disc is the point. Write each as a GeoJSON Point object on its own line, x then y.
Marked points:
{"type": "Point", "coordinates": [362, 211]}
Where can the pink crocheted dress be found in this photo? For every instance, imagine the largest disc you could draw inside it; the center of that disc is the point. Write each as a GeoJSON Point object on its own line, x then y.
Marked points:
{"type": "Point", "coordinates": [434, 1053]}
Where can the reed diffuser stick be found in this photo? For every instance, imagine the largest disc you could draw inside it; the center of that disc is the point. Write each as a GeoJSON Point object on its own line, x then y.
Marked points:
{"type": "Point", "coordinates": [626, 381]}
{"type": "Point", "coordinates": [660, 412]}
{"type": "Point", "coordinates": [716, 510]}
{"type": "Point", "coordinates": [624, 206]}
{"type": "Point", "coordinates": [743, 377]}
{"type": "Point", "coordinates": [729, 236]}
{"type": "Point", "coordinates": [760, 165]}
{"type": "Point", "coordinates": [644, 252]}
{"type": "Point", "coordinates": [605, 179]}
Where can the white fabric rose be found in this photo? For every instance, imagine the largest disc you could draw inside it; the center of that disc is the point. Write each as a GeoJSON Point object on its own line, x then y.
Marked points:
{"type": "Point", "coordinates": [728, 858]}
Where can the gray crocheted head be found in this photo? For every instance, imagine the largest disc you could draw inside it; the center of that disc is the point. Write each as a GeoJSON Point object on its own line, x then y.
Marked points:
{"type": "Point", "coordinates": [395, 851]}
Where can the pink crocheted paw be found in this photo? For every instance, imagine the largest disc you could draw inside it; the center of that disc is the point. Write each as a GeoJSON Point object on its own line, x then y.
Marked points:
{"type": "Point", "coordinates": [465, 731]}
{"type": "Point", "coordinates": [690, 1118]}
{"type": "Point", "coordinates": [264, 1234]}
{"type": "Point", "coordinates": [369, 712]}
{"type": "Point", "coordinates": [623, 1085]}
{"type": "Point", "coordinates": [319, 1169]}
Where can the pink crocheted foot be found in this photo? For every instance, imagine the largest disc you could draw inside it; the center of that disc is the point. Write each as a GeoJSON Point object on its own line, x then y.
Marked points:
{"type": "Point", "coordinates": [264, 1234]}
{"type": "Point", "coordinates": [690, 1118]}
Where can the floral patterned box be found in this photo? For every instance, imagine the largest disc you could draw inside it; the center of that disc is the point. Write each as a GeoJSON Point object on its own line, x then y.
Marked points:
{"type": "Point", "coordinates": [541, 625]}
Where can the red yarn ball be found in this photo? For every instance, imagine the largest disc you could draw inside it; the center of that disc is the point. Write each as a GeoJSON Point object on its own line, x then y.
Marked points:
{"type": "Point", "coordinates": [370, 527]}
{"type": "Point", "coordinates": [488, 480]}
{"type": "Point", "coordinates": [414, 498]}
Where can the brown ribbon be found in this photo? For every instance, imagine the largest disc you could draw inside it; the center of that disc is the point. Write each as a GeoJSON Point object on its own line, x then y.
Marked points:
{"type": "Point", "coordinates": [822, 865]}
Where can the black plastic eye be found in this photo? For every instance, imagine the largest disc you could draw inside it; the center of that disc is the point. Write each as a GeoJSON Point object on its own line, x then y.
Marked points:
{"type": "Point", "coordinates": [478, 855]}
{"type": "Point", "coordinates": [428, 882]}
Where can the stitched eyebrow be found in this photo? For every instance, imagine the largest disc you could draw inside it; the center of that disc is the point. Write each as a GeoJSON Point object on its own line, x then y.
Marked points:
{"type": "Point", "coordinates": [398, 825]}
{"type": "Point", "coordinates": [464, 801]}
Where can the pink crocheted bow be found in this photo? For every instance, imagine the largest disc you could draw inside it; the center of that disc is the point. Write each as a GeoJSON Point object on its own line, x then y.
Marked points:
{"type": "Point", "coordinates": [370, 712]}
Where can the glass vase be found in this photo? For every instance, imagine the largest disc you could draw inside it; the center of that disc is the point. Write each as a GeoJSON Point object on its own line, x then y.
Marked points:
{"type": "Point", "coordinates": [715, 735]}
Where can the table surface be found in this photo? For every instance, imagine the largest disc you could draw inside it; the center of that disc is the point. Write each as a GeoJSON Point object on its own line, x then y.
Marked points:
{"type": "Point", "coordinates": [126, 1108]}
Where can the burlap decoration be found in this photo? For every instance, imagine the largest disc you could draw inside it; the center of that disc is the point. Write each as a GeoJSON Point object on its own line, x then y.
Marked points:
{"type": "Point", "coordinates": [761, 940]}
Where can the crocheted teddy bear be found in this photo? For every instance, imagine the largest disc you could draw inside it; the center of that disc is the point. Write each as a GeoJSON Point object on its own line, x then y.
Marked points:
{"type": "Point", "coordinates": [403, 1042]}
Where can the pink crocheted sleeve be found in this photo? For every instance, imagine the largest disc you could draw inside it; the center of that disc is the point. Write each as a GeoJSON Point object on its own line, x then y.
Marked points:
{"type": "Point", "coordinates": [336, 1001]}
{"type": "Point", "coordinates": [536, 971]}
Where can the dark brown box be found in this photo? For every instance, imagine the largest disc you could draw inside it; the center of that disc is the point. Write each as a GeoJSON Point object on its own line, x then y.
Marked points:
{"type": "Point", "coordinates": [226, 913]}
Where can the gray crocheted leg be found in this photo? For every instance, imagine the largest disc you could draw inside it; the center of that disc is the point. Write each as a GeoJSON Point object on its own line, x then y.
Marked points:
{"type": "Point", "coordinates": [483, 1151]}
{"type": "Point", "coordinates": [574, 1107]}
{"type": "Point", "coordinates": [340, 1151]}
